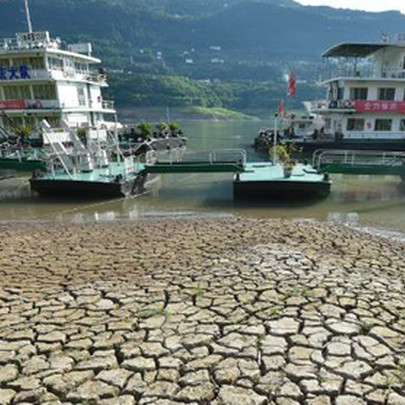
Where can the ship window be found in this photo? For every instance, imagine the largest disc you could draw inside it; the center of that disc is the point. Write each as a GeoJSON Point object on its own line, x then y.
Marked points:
{"type": "Point", "coordinates": [358, 93]}
{"type": "Point", "coordinates": [5, 63]}
{"type": "Point", "coordinates": [32, 63]}
{"type": "Point", "coordinates": [355, 124]}
{"type": "Point", "coordinates": [402, 125]}
{"type": "Point", "coordinates": [386, 93]}
{"type": "Point", "coordinates": [36, 63]}
{"type": "Point", "coordinates": [44, 91]}
{"type": "Point", "coordinates": [17, 92]}
{"type": "Point", "coordinates": [81, 67]}
{"type": "Point", "coordinates": [81, 96]}
{"type": "Point", "coordinates": [383, 125]}
{"type": "Point", "coordinates": [55, 63]}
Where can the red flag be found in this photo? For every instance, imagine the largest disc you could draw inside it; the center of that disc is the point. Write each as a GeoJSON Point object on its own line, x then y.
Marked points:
{"type": "Point", "coordinates": [281, 109]}
{"type": "Point", "coordinates": [292, 85]}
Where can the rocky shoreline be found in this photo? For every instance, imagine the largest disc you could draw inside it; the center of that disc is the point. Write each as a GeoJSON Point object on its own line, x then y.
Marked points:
{"type": "Point", "coordinates": [201, 311]}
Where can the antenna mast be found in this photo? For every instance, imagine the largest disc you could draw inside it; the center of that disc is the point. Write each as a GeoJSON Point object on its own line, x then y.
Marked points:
{"type": "Point", "coordinates": [28, 15]}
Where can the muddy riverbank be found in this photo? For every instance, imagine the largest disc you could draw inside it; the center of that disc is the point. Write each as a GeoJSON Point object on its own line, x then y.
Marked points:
{"type": "Point", "coordinates": [201, 311]}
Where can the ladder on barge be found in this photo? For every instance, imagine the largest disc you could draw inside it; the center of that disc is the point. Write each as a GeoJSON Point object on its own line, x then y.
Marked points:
{"type": "Point", "coordinates": [181, 161]}
{"type": "Point", "coordinates": [359, 162]}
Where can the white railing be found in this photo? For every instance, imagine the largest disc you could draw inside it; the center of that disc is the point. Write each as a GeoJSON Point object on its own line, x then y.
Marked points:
{"type": "Point", "coordinates": [72, 74]}
{"type": "Point", "coordinates": [357, 158]}
{"type": "Point", "coordinates": [363, 72]}
{"type": "Point", "coordinates": [42, 104]}
{"type": "Point", "coordinates": [315, 105]}
{"type": "Point", "coordinates": [59, 74]}
{"type": "Point", "coordinates": [12, 44]}
{"type": "Point", "coordinates": [108, 105]}
{"type": "Point", "coordinates": [39, 74]}
{"type": "Point", "coordinates": [237, 156]}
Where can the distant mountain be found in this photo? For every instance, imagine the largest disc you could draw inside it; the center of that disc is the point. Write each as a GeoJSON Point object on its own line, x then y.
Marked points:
{"type": "Point", "coordinates": [171, 26]}
{"type": "Point", "coordinates": [232, 41]}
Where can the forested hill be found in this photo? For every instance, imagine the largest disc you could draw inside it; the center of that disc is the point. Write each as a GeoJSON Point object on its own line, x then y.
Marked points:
{"type": "Point", "coordinates": [234, 42]}
{"type": "Point", "coordinates": [172, 26]}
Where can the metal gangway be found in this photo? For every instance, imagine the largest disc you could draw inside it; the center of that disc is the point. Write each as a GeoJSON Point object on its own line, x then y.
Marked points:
{"type": "Point", "coordinates": [359, 162]}
{"type": "Point", "coordinates": [182, 161]}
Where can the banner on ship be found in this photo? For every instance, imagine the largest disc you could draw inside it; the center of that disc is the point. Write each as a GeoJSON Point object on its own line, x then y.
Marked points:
{"type": "Point", "coordinates": [364, 106]}
{"type": "Point", "coordinates": [12, 104]}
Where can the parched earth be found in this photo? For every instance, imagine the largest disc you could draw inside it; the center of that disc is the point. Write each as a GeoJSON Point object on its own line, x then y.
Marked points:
{"type": "Point", "coordinates": [208, 311]}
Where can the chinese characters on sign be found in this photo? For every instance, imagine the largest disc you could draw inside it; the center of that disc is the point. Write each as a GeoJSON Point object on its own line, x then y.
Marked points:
{"type": "Point", "coordinates": [380, 106]}
{"type": "Point", "coordinates": [13, 73]}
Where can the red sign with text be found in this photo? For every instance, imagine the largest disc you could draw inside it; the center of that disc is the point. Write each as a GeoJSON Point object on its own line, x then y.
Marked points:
{"type": "Point", "coordinates": [363, 106]}
{"type": "Point", "coordinates": [12, 105]}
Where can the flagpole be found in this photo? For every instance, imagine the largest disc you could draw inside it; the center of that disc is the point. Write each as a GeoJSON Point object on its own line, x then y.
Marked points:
{"type": "Point", "coordinates": [28, 15]}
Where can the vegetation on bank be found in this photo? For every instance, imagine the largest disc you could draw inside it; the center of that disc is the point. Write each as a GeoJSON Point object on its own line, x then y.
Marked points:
{"type": "Point", "coordinates": [141, 90]}
{"type": "Point", "coordinates": [220, 114]}
{"type": "Point", "coordinates": [203, 53]}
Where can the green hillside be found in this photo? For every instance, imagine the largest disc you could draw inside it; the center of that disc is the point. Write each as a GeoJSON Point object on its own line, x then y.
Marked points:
{"type": "Point", "coordinates": [228, 53]}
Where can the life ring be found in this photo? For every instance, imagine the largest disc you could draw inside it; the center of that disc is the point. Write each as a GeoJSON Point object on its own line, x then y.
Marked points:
{"type": "Point", "coordinates": [369, 125]}
{"type": "Point", "coordinates": [37, 105]}
{"type": "Point", "coordinates": [348, 104]}
{"type": "Point", "coordinates": [65, 74]}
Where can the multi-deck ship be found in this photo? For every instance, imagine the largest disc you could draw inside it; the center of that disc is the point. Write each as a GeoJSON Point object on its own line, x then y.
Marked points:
{"type": "Point", "coordinates": [364, 107]}
{"type": "Point", "coordinates": [365, 101]}
{"type": "Point", "coordinates": [41, 79]}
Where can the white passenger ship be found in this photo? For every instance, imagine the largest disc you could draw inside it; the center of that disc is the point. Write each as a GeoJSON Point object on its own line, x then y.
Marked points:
{"type": "Point", "coordinates": [43, 79]}
{"type": "Point", "coordinates": [365, 97]}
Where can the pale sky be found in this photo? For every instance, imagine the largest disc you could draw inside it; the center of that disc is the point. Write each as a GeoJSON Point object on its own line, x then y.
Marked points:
{"type": "Point", "coordinates": [369, 5]}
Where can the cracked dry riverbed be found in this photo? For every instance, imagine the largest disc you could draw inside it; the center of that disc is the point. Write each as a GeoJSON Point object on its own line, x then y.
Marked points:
{"type": "Point", "coordinates": [201, 311]}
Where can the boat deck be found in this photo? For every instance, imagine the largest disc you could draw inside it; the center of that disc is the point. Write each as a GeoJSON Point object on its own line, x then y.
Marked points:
{"type": "Point", "coordinates": [99, 175]}
{"type": "Point", "coordinates": [267, 181]}
{"type": "Point", "coordinates": [269, 172]}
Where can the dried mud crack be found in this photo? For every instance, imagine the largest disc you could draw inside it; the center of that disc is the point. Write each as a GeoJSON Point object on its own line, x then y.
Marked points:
{"type": "Point", "coordinates": [223, 312]}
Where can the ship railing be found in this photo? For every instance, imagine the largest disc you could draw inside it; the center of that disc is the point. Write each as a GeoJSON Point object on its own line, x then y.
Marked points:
{"type": "Point", "coordinates": [179, 155]}
{"type": "Point", "coordinates": [357, 158]}
{"type": "Point", "coordinates": [40, 74]}
{"type": "Point", "coordinates": [363, 72]}
{"type": "Point", "coordinates": [12, 44]}
{"type": "Point", "coordinates": [108, 104]}
{"type": "Point", "coordinates": [60, 154]}
{"type": "Point", "coordinates": [317, 105]}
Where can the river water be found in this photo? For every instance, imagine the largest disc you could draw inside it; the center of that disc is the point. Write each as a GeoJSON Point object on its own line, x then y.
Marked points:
{"type": "Point", "coordinates": [366, 201]}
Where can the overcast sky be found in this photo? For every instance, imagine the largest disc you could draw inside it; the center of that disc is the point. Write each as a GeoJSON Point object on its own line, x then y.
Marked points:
{"type": "Point", "coordinates": [369, 5]}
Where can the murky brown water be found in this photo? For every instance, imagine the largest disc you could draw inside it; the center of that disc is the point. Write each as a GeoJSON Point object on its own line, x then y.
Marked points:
{"type": "Point", "coordinates": [359, 200]}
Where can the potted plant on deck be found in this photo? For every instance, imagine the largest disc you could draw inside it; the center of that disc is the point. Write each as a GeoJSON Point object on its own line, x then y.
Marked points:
{"type": "Point", "coordinates": [284, 153]}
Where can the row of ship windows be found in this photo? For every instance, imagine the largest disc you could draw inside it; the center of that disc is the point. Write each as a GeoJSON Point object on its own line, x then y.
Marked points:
{"type": "Point", "coordinates": [39, 63]}
{"type": "Point", "coordinates": [40, 91]}
{"type": "Point", "coordinates": [29, 122]}
{"type": "Point", "coordinates": [358, 124]}
{"type": "Point", "coordinates": [361, 93]}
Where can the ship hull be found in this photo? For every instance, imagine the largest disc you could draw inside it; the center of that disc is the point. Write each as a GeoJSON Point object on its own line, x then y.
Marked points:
{"type": "Point", "coordinates": [279, 190]}
{"type": "Point", "coordinates": [21, 165]}
{"type": "Point", "coordinates": [87, 189]}
{"type": "Point", "coordinates": [311, 146]}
